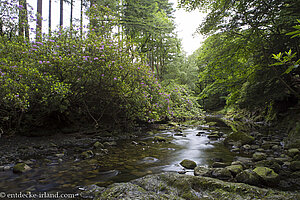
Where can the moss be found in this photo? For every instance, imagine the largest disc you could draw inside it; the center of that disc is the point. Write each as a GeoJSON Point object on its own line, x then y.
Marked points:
{"type": "Point", "coordinates": [20, 168]}
{"type": "Point", "coordinates": [241, 137]}
{"type": "Point", "coordinates": [188, 164]}
{"type": "Point", "coordinates": [267, 174]}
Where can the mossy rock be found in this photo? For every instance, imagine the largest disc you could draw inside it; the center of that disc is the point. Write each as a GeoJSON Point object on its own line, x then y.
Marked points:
{"type": "Point", "coordinates": [203, 171]}
{"type": "Point", "coordinates": [272, 164]}
{"type": "Point", "coordinates": [175, 186]}
{"type": "Point", "coordinates": [188, 164]}
{"type": "Point", "coordinates": [249, 177]}
{"type": "Point", "coordinates": [159, 139]}
{"type": "Point", "coordinates": [221, 173]}
{"type": "Point", "coordinates": [268, 175]}
{"type": "Point", "coordinates": [258, 156]}
{"type": "Point", "coordinates": [295, 165]}
{"type": "Point", "coordinates": [21, 167]}
{"type": "Point", "coordinates": [239, 137]}
{"type": "Point", "coordinates": [235, 169]}
{"type": "Point", "coordinates": [213, 136]}
{"type": "Point", "coordinates": [98, 145]}
{"type": "Point", "coordinates": [87, 154]}
{"type": "Point", "coordinates": [293, 152]}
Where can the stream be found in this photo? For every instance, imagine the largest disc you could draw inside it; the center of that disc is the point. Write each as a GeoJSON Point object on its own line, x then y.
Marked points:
{"type": "Point", "coordinates": [128, 159]}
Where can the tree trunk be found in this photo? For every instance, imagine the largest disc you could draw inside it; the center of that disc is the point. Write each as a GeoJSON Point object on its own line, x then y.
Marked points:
{"type": "Point", "coordinates": [26, 20]}
{"type": "Point", "coordinates": [71, 16]}
{"type": "Point", "coordinates": [61, 20]}
{"type": "Point", "coordinates": [21, 18]}
{"type": "Point", "coordinates": [49, 25]}
{"type": "Point", "coordinates": [81, 17]}
{"type": "Point", "coordinates": [39, 18]}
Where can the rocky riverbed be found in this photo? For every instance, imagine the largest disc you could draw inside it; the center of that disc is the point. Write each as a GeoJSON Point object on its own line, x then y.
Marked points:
{"type": "Point", "coordinates": [201, 151]}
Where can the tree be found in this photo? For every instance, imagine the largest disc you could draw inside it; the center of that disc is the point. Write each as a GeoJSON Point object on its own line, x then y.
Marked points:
{"type": "Point", "coordinates": [39, 18]}
{"type": "Point", "coordinates": [61, 13]}
{"type": "Point", "coordinates": [49, 17]}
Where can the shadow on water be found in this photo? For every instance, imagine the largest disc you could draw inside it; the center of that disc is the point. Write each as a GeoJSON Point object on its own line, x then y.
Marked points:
{"type": "Point", "coordinates": [124, 162]}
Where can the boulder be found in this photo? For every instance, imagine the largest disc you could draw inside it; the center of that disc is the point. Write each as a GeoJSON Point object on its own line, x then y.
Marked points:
{"type": "Point", "coordinates": [235, 169]}
{"type": "Point", "coordinates": [238, 137]}
{"type": "Point", "coordinates": [267, 175]}
{"type": "Point", "coordinates": [87, 154]}
{"type": "Point", "coordinates": [257, 156]}
{"type": "Point", "coordinates": [20, 168]}
{"type": "Point", "coordinates": [188, 164]}
{"type": "Point", "coordinates": [159, 139]}
{"type": "Point", "coordinates": [221, 173]}
{"type": "Point", "coordinates": [249, 177]}
{"type": "Point", "coordinates": [202, 171]}
{"type": "Point", "coordinates": [273, 164]}
{"type": "Point", "coordinates": [219, 165]}
{"type": "Point", "coordinates": [213, 136]}
{"type": "Point", "coordinates": [176, 186]}
{"type": "Point", "coordinates": [295, 165]}
{"type": "Point", "coordinates": [293, 152]}
{"type": "Point", "coordinates": [98, 145]}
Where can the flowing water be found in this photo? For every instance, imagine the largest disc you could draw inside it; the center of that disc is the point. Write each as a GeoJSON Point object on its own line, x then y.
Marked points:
{"type": "Point", "coordinates": [124, 162]}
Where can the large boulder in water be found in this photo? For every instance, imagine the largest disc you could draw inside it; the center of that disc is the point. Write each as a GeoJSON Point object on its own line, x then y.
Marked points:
{"type": "Point", "coordinates": [241, 138]}
{"type": "Point", "coordinates": [188, 164]}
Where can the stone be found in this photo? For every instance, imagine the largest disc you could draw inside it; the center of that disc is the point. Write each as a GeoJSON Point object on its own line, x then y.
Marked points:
{"type": "Point", "coordinates": [87, 154]}
{"type": "Point", "coordinates": [98, 145]}
{"type": "Point", "coordinates": [21, 168]}
{"type": "Point", "coordinates": [273, 164]}
{"type": "Point", "coordinates": [219, 165]}
{"type": "Point", "coordinates": [268, 175]}
{"type": "Point", "coordinates": [112, 143]}
{"type": "Point", "coordinates": [295, 165]}
{"type": "Point", "coordinates": [202, 171]}
{"type": "Point", "coordinates": [1, 168]}
{"type": "Point", "coordinates": [221, 173]}
{"type": "Point", "coordinates": [159, 139]}
{"type": "Point", "coordinates": [246, 147]}
{"type": "Point", "coordinates": [245, 162]}
{"type": "Point", "coordinates": [188, 164]}
{"type": "Point", "coordinates": [257, 156]}
{"type": "Point", "coordinates": [174, 186]}
{"type": "Point", "coordinates": [238, 137]}
{"type": "Point", "coordinates": [235, 169]}
{"type": "Point", "coordinates": [293, 152]}
{"type": "Point", "coordinates": [249, 177]}
{"type": "Point", "coordinates": [178, 134]}
{"type": "Point", "coordinates": [236, 150]}
{"type": "Point", "coordinates": [213, 136]}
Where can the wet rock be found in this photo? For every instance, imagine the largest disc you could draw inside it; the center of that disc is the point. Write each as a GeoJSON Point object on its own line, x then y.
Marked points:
{"type": "Point", "coordinates": [200, 133]}
{"type": "Point", "coordinates": [219, 165]}
{"type": "Point", "coordinates": [267, 175]}
{"type": "Point", "coordinates": [213, 136]}
{"type": "Point", "coordinates": [20, 168]}
{"type": "Point", "coordinates": [87, 154]}
{"type": "Point", "coordinates": [188, 164]}
{"type": "Point", "coordinates": [98, 145]}
{"type": "Point", "coordinates": [202, 171]}
{"type": "Point", "coordinates": [238, 137]}
{"type": "Point", "coordinates": [159, 139]}
{"type": "Point", "coordinates": [293, 152]}
{"type": "Point", "coordinates": [148, 160]}
{"type": "Point", "coordinates": [295, 165]}
{"type": "Point", "coordinates": [273, 164]}
{"type": "Point", "coordinates": [221, 173]}
{"type": "Point", "coordinates": [259, 156]}
{"type": "Point", "coordinates": [112, 143]}
{"type": "Point", "coordinates": [235, 169]}
{"type": "Point", "coordinates": [178, 134]}
{"type": "Point", "coordinates": [249, 177]}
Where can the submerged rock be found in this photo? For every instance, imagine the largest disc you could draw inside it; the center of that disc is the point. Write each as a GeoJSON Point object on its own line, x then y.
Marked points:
{"type": "Point", "coordinates": [21, 167]}
{"type": "Point", "coordinates": [188, 164]}
{"type": "Point", "coordinates": [174, 186]}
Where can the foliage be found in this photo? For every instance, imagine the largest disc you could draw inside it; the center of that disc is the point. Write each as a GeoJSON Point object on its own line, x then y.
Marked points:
{"type": "Point", "coordinates": [235, 62]}
{"type": "Point", "coordinates": [65, 78]}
